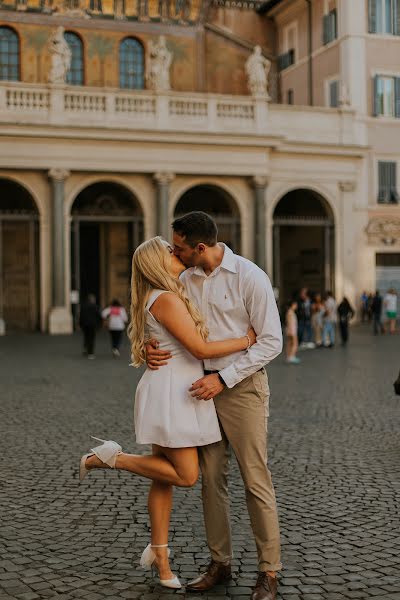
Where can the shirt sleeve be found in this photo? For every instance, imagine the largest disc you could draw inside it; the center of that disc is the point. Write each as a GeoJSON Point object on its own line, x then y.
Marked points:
{"type": "Point", "coordinates": [124, 315]}
{"type": "Point", "coordinates": [264, 318]}
{"type": "Point", "coordinates": [105, 313]}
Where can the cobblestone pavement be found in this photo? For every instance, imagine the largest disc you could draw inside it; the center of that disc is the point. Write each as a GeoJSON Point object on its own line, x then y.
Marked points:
{"type": "Point", "coordinates": [334, 452]}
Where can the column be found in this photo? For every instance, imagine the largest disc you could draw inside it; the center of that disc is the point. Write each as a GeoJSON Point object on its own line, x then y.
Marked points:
{"type": "Point", "coordinates": [163, 226]}
{"type": "Point", "coordinates": [348, 267]}
{"type": "Point", "coordinates": [60, 320]}
{"type": "Point", "coordinates": [353, 20]}
{"type": "Point", "coordinates": [259, 184]}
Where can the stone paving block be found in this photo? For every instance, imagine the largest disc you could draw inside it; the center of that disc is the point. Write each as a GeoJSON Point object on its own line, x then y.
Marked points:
{"type": "Point", "coordinates": [337, 496]}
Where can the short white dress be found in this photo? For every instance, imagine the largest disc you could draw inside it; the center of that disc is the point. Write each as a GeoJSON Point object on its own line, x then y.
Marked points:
{"type": "Point", "coordinates": [165, 412]}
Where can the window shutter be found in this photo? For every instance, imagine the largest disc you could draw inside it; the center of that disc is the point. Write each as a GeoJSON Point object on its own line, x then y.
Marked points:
{"type": "Point", "coordinates": [375, 98]}
{"type": "Point", "coordinates": [335, 23]}
{"type": "Point", "coordinates": [325, 29]}
{"type": "Point", "coordinates": [334, 94]}
{"type": "Point", "coordinates": [394, 196]}
{"type": "Point", "coordinates": [381, 181]}
{"type": "Point", "coordinates": [397, 97]}
{"type": "Point", "coordinates": [372, 16]}
{"type": "Point", "coordinates": [396, 17]}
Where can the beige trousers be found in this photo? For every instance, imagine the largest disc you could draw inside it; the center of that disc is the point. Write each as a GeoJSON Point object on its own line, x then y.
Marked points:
{"type": "Point", "coordinates": [243, 414]}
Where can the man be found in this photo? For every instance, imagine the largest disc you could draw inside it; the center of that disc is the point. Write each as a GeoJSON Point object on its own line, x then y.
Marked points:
{"type": "Point", "coordinates": [376, 309]}
{"type": "Point", "coordinates": [233, 294]}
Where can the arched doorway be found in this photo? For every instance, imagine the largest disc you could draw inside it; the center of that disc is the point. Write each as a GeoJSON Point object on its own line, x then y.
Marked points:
{"type": "Point", "coordinates": [220, 205]}
{"type": "Point", "coordinates": [107, 226]}
{"type": "Point", "coordinates": [19, 257]}
{"type": "Point", "coordinates": [304, 253]}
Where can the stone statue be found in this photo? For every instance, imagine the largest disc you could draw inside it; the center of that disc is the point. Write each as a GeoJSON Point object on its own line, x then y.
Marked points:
{"type": "Point", "coordinates": [257, 70]}
{"type": "Point", "coordinates": [160, 60]}
{"type": "Point", "coordinates": [60, 56]}
{"type": "Point", "coordinates": [344, 95]}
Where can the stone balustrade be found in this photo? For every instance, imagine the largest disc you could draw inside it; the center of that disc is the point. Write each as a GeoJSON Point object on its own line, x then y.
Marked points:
{"type": "Point", "coordinates": [66, 106]}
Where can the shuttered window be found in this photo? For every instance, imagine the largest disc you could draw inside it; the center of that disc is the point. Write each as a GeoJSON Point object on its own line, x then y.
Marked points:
{"type": "Point", "coordinates": [387, 96]}
{"type": "Point", "coordinates": [334, 94]}
{"type": "Point", "coordinates": [387, 190]}
{"type": "Point", "coordinates": [330, 27]}
{"type": "Point", "coordinates": [384, 16]}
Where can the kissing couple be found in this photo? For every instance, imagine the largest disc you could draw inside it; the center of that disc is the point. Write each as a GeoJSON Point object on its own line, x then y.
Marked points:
{"type": "Point", "coordinates": [206, 322]}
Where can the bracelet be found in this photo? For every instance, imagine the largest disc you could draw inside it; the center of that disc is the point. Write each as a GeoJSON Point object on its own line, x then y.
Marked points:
{"type": "Point", "coordinates": [248, 341]}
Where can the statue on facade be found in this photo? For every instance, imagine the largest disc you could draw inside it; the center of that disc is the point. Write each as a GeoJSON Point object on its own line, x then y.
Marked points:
{"type": "Point", "coordinates": [257, 70]}
{"type": "Point", "coordinates": [160, 60]}
{"type": "Point", "coordinates": [344, 95]}
{"type": "Point", "coordinates": [60, 56]}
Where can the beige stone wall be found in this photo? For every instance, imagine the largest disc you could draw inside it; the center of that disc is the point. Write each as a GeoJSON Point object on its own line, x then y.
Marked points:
{"type": "Point", "coordinates": [325, 66]}
{"type": "Point", "coordinates": [383, 54]}
{"type": "Point", "coordinates": [101, 53]}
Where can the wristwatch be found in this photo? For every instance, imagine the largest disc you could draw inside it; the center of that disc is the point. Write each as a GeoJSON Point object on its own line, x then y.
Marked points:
{"type": "Point", "coordinates": [221, 380]}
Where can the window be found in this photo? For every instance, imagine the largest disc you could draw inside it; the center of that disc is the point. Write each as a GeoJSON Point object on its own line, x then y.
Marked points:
{"type": "Point", "coordinates": [289, 47]}
{"type": "Point", "coordinates": [131, 64]}
{"type": "Point", "coordinates": [334, 87]}
{"type": "Point", "coordinates": [387, 186]}
{"type": "Point", "coordinates": [330, 27]}
{"type": "Point", "coordinates": [384, 16]}
{"type": "Point", "coordinates": [75, 73]}
{"type": "Point", "coordinates": [387, 96]}
{"type": "Point", "coordinates": [9, 55]}
{"type": "Point", "coordinates": [290, 96]}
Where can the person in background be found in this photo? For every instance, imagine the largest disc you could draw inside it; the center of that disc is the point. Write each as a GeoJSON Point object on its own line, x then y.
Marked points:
{"type": "Point", "coordinates": [364, 306]}
{"type": "Point", "coordinates": [89, 321]}
{"type": "Point", "coordinates": [329, 321]}
{"type": "Point", "coordinates": [345, 312]}
{"type": "Point", "coordinates": [292, 343]}
{"type": "Point", "coordinates": [376, 309]}
{"type": "Point", "coordinates": [390, 304]}
{"type": "Point", "coordinates": [304, 319]}
{"type": "Point", "coordinates": [369, 307]}
{"type": "Point", "coordinates": [117, 319]}
{"type": "Point", "coordinates": [317, 319]}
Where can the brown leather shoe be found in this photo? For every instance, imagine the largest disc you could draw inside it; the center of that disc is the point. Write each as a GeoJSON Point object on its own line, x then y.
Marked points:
{"type": "Point", "coordinates": [216, 573]}
{"type": "Point", "coordinates": [266, 587]}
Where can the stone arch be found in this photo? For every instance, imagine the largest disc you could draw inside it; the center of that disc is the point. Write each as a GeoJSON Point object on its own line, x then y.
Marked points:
{"type": "Point", "coordinates": [218, 201]}
{"type": "Point", "coordinates": [107, 224]}
{"type": "Point", "coordinates": [303, 241]}
{"type": "Point", "coordinates": [20, 252]}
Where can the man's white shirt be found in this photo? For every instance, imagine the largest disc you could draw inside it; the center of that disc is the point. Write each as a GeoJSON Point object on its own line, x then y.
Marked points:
{"type": "Point", "coordinates": [237, 295]}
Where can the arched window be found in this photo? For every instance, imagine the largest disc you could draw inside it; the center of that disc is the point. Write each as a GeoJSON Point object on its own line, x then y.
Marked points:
{"type": "Point", "coordinates": [75, 73]}
{"type": "Point", "coordinates": [131, 64]}
{"type": "Point", "coordinates": [9, 55]}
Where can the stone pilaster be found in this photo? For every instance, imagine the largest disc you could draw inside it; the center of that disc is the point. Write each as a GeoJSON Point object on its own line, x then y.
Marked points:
{"type": "Point", "coordinates": [259, 184]}
{"type": "Point", "coordinates": [60, 319]}
{"type": "Point", "coordinates": [162, 181]}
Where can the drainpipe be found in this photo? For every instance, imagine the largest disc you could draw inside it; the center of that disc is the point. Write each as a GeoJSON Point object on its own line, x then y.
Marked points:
{"type": "Point", "coordinates": [310, 63]}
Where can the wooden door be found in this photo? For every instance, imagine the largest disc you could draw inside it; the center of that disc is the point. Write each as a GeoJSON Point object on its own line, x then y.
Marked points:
{"type": "Point", "coordinates": [116, 262]}
{"type": "Point", "coordinates": [19, 273]}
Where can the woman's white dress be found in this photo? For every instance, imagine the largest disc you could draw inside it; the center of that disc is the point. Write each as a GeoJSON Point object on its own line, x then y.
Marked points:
{"type": "Point", "coordinates": [165, 412]}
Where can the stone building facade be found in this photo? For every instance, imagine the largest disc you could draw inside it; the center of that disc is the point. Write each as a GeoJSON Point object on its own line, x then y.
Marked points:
{"type": "Point", "coordinates": [92, 166]}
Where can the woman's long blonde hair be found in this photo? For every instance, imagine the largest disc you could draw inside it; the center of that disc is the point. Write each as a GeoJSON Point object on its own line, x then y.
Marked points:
{"type": "Point", "coordinates": [150, 270]}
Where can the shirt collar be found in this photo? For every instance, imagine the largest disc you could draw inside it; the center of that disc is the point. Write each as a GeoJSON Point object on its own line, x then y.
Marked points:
{"type": "Point", "coordinates": [228, 262]}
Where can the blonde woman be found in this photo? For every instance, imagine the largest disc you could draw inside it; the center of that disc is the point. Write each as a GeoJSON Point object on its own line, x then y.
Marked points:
{"type": "Point", "coordinates": [166, 415]}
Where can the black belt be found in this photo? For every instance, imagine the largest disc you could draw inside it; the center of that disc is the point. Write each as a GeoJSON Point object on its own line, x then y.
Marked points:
{"type": "Point", "coordinates": [206, 372]}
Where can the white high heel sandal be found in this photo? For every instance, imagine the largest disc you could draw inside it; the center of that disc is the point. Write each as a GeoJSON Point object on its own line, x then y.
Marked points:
{"type": "Point", "coordinates": [147, 562]}
{"type": "Point", "coordinates": [107, 453]}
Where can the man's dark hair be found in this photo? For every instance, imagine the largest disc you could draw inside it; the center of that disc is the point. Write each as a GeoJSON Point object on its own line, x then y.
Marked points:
{"type": "Point", "coordinates": [196, 227]}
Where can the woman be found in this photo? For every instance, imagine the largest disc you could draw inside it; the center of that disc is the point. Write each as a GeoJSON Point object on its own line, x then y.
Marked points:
{"type": "Point", "coordinates": [390, 303]}
{"type": "Point", "coordinates": [317, 319]}
{"type": "Point", "coordinates": [166, 415]}
{"type": "Point", "coordinates": [292, 342]}
{"type": "Point", "coordinates": [346, 313]}
{"type": "Point", "coordinates": [117, 318]}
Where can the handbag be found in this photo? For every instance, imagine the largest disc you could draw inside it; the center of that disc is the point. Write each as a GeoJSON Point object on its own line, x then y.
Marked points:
{"type": "Point", "coordinates": [396, 386]}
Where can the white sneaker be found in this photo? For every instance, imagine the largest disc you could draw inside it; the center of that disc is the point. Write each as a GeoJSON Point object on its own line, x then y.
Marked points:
{"type": "Point", "coordinates": [91, 356]}
{"type": "Point", "coordinates": [115, 352]}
